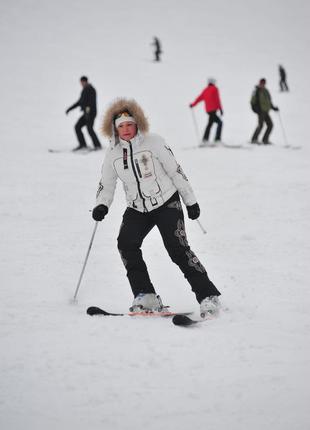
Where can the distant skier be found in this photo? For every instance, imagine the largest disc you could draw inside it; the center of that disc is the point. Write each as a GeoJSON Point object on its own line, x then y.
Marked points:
{"type": "Point", "coordinates": [283, 83]}
{"type": "Point", "coordinates": [211, 97]}
{"type": "Point", "coordinates": [157, 49]}
{"type": "Point", "coordinates": [261, 104]}
{"type": "Point", "coordinates": [153, 182]}
{"type": "Point", "coordinates": [87, 103]}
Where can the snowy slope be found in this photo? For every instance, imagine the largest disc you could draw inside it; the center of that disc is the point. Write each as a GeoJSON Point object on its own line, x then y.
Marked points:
{"type": "Point", "coordinates": [60, 368]}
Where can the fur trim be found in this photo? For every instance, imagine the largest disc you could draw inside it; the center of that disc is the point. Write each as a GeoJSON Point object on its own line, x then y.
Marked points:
{"type": "Point", "coordinates": [118, 106]}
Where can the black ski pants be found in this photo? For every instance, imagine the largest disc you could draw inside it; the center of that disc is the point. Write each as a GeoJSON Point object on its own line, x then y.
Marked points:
{"type": "Point", "coordinates": [213, 118]}
{"type": "Point", "coordinates": [157, 55]}
{"type": "Point", "coordinates": [88, 121]}
{"type": "Point", "coordinates": [169, 219]}
{"type": "Point", "coordinates": [283, 85]}
{"type": "Point", "coordinates": [263, 118]}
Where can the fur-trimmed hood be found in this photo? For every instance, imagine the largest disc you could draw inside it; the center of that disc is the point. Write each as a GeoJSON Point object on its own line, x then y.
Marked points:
{"type": "Point", "coordinates": [118, 106]}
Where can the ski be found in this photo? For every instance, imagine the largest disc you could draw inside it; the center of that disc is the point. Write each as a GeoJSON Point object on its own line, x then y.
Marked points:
{"type": "Point", "coordinates": [83, 151]}
{"type": "Point", "coordinates": [235, 146]}
{"type": "Point", "coordinates": [183, 320]}
{"type": "Point", "coordinates": [294, 147]}
{"type": "Point", "coordinates": [62, 151]}
{"type": "Point", "coordinates": [58, 151]}
{"type": "Point", "coordinates": [288, 146]}
{"type": "Point", "coordinates": [94, 310]}
{"type": "Point", "coordinates": [219, 145]}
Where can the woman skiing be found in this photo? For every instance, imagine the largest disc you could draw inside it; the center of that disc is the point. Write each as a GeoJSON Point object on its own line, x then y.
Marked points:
{"type": "Point", "coordinates": [152, 181]}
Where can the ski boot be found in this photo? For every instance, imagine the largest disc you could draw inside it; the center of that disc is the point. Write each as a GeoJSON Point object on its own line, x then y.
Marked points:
{"type": "Point", "coordinates": [210, 307]}
{"type": "Point", "coordinates": [147, 303]}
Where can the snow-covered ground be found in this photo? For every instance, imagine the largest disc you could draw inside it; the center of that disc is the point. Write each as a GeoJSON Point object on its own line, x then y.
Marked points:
{"type": "Point", "coordinates": [59, 368]}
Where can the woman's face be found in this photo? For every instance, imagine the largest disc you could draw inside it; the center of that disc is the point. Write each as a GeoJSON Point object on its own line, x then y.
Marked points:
{"type": "Point", "coordinates": [127, 130]}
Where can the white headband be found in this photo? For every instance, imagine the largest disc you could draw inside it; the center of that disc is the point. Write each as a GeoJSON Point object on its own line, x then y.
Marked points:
{"type": "Point", "coordinates": [125, 117]}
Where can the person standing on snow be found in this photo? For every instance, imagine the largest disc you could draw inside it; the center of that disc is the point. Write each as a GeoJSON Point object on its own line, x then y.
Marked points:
{"type": "Point", "coordinates": [211, 97]}
{"type": "Point", "coordinates": [153, 182]}
{"type": "Point", "coordinates": [87, 103]}
{"type": "Point", "coordinates": [157, 45]}
{"type": "Point", "coordinates": [283, 83]}
{"type": "Point", "coordinates": [261, 104]}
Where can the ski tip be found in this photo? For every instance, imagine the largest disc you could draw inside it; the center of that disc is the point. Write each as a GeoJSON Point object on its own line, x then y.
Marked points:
{"type": "Point", "coordinates": [93, 310]}
{"type": "Point", "coordinates": [182, 320]}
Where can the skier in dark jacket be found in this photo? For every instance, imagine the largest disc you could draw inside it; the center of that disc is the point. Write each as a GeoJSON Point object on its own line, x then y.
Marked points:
{"type": "Point", "coordinates": [157, 45]}
{"type": "Point", "coordinates": [87, 103]}
{"type": "Point", "coordinates": [283, 83]}
{"type": "Point", "coordinates": [261, 104]}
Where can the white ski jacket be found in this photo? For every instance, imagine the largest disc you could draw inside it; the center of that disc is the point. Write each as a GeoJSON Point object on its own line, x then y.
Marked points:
{"type": "Point", "coordinates": [148, 170]}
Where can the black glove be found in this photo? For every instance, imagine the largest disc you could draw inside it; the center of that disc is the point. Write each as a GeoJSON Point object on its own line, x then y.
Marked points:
{"type": "Point", "coordinates": [275, 108]}
{"type": "Point", "coordinates": [87, 113]}
{"type": "Point", "coordinates": [99, 212]}
{"type": "Point", "coordinates": [193, 211]}
{"type": "Point", "coordinates": [222, 112]}
{"type": "Point", "coordinates": [67, 111]}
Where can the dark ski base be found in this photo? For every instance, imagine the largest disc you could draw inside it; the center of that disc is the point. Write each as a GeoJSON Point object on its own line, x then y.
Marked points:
{"type": "Point", "coordinates": [94, 310]}
{"type": "Point", "coordinates": [185, 321]}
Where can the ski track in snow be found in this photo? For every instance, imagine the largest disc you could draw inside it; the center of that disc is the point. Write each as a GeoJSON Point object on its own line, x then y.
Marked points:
{"type": "Point", "coordinates": [60, 368]}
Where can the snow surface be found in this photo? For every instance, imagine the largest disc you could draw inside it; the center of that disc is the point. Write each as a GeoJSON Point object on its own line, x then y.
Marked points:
{"type": "Point", "coordinates": [249, 369]}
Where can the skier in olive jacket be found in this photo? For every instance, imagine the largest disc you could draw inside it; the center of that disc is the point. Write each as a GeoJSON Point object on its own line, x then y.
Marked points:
{"type": "Point", "coordinates": [87, 103]}
{"type": "Point", "coordinates": [261, 104]}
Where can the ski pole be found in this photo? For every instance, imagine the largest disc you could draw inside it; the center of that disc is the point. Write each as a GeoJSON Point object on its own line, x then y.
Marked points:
{"type": "Point", "coordinates": [200, 225]}
{"type": "Point", "coordinates": [195, 126]}
{"type": "Point", "coordinates": [283, 130]}
{"type": "Point", "coordinates": [85, 262]}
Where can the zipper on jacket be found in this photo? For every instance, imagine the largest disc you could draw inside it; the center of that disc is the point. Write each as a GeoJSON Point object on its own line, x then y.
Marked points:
{"type": "Point", "coordinates": [125, 158]}
{"type": "Point", "coordinates": [138, 168]}
{"type": "Point", "coordinates": [136, 176]}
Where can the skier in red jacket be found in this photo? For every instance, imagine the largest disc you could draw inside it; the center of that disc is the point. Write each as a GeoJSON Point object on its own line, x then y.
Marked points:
{"type": "Point", "coordinates": [211, 97]}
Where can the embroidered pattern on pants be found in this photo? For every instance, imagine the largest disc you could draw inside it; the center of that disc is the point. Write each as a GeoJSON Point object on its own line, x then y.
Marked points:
{"type": "Point", "coordinates": [194, 262]}
{"type": "Point", "coordinates": [180, 233]}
